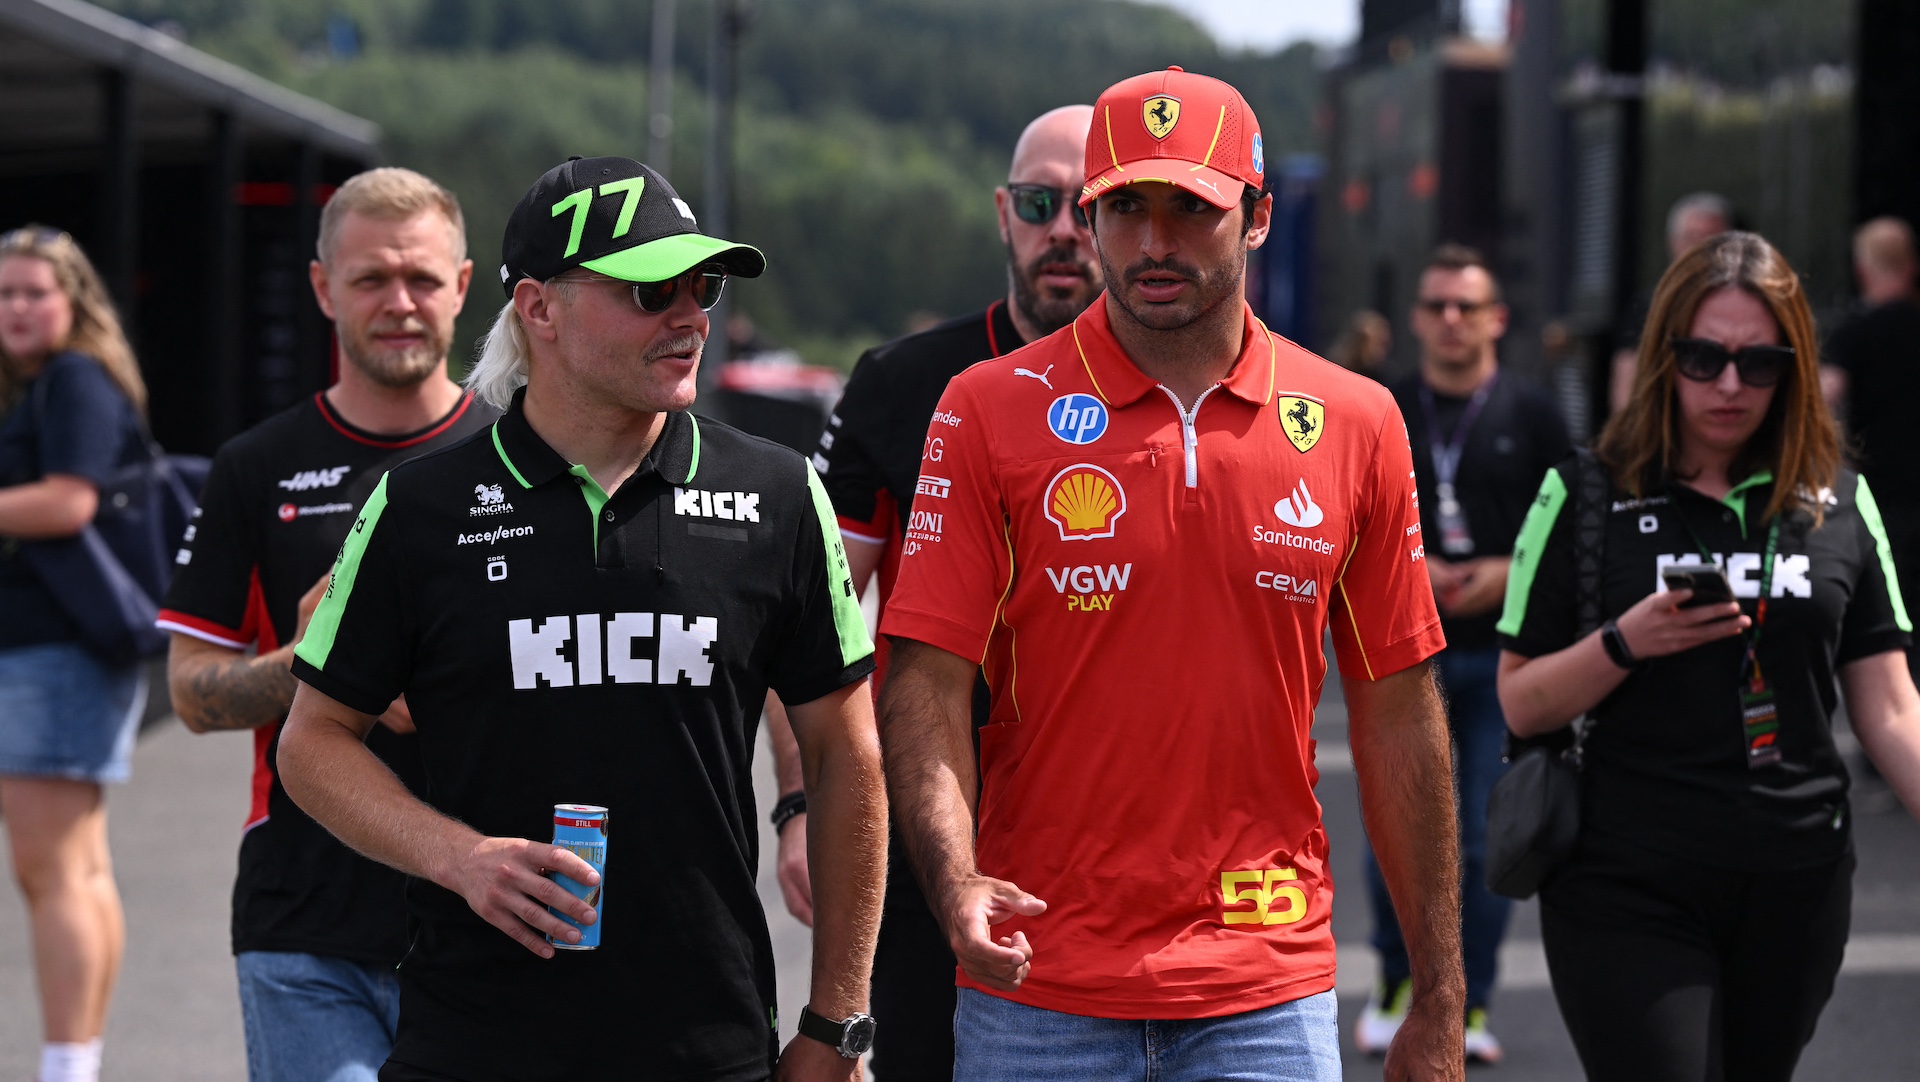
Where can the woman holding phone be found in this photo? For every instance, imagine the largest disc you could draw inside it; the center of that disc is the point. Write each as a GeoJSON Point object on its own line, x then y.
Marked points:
{"type": "Point", "coordinates": [1697, 928]}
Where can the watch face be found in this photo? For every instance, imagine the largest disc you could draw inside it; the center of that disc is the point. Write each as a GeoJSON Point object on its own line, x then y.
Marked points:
{"type": "Point", "coordinates": [859, 1036]}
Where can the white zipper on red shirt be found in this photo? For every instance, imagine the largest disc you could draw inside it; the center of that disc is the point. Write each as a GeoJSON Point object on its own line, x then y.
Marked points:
{"type": "Point", "coordinates": [1189, 438]}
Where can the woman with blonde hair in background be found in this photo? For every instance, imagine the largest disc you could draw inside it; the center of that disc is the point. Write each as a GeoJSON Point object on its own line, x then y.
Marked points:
{"type": "Point", "coordinates": [74, 398]}
{"type": "Point", "coordinates": [1695, 932]}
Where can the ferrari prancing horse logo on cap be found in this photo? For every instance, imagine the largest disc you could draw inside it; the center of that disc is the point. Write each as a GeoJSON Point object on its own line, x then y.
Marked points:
{"type": "Point", "coordinates": [1303, 419]}
{"type": "Point", "coordinates": [1161, 113]}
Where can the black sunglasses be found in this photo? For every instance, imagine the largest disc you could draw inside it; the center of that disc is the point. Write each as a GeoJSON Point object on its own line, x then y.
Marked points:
{"type": "Point", "coordinates": [656, 297]}
{"type": "Point", "coordinates": [1703, 360]}
{"type": "Point", "coordinates": [1037, 204]}
{"type": "Point", "coordinates": [1438, 307]}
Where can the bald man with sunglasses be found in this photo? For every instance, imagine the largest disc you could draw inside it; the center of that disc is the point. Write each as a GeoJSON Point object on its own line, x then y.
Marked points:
{"type": "Point", "coordinates": [870, 461]}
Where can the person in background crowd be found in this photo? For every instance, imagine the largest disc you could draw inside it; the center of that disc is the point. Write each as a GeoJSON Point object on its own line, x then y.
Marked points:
{"type": "Point", "coordinates": [318, 930]}
{"type": "Point", "coordinates": [1134, 877]}
{"type": "Point", "coordinates": [587, 604]}
{"type": "Point", "coordinates": [1691, 219]}
{"type": "Point", "coordinates": [1365, 344]}
{"type": "Point", "coordinates": [1696, 930]}
{"type": "Point", "coordinates": [67, 718]}
{"type": "Point", "coordinates": [869, 460]}
{"type": "Point", "coordinates": [1873, 367]}
{"type": "Point", "coordinates": [1481, 443]}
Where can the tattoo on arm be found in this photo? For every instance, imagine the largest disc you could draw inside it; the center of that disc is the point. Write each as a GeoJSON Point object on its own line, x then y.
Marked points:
{"type": "Point", "coordinates": [244, 693]}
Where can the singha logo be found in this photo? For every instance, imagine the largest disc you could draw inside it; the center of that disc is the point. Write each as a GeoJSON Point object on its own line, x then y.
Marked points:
{"type": "Point", "coordinates": [491, 501]}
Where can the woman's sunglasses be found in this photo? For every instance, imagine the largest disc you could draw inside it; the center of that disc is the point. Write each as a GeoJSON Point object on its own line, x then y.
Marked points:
{"type": "Point", "coordinates": [656, 297]}
{"type": "Point", "coordinates": [1703, 360]}
{"type": "Point", "coordinates": [1037, 204]}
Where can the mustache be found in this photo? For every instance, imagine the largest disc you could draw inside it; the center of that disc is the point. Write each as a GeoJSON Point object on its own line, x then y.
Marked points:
{"type": "Point", "coordinates": [686, 343]}
{"type": "Point", "coordinates": [1187, 271]}
{"type": "Point", "coordinates": [1061, 255]}
{"type": "Point", "coordinates": [410, 325]}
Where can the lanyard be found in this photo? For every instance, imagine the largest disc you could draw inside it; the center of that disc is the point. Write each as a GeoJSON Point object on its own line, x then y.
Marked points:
{"type": "Point", "coordinates": [1752, 663]}
{"type": "Point", "coordinates": [1446, 456]}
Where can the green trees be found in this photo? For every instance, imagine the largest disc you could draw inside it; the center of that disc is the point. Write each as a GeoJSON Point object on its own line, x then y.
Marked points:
{"type": "Point", "coordinates": [870, 132]}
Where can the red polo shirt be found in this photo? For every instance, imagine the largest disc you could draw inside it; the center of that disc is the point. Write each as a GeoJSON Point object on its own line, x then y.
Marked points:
{"type": "Point", "coordinates": [1148, 589]}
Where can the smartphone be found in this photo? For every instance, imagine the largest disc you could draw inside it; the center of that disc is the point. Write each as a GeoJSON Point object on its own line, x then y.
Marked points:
{"type": "Point", "coordinates": [1708, 583]}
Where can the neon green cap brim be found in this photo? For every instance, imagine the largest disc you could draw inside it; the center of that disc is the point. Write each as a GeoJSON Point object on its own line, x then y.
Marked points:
{"type": "Point", "coordinates": [670, 257]}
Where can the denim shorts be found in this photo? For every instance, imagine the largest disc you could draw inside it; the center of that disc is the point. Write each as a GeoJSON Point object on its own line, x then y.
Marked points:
{"type": "Point", "coordinates": [311, 1018]}
{"type": "Point", "coordinates": [998, 1040]}
{"type": "Point", "coordinates": [66, 714]}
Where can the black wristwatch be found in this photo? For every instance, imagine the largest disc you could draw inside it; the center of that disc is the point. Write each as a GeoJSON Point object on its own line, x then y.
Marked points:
{"type": "Point", "coordinates": [851, 1038]}
{"type": "Point", "coordinates": [784, 809]}
{"type": "Point", "coordinates": [1616, 646]}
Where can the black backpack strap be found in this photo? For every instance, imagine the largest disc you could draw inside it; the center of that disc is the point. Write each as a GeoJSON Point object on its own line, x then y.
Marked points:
{"type": "Point", "coordinates": [1589, 562]}
{"type": "Point", "coordinates": [1589, 538]}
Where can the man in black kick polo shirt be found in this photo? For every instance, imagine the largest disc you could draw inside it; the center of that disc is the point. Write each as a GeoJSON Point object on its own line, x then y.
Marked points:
{"type": "Point", "coordinates": [317, 929]}
{"type": "Point", "coordinates": [870, 461]}
{"type": "Point", "coordinates": [588, 604]}
{"type": "Point", "coordinates": [1481, 443]}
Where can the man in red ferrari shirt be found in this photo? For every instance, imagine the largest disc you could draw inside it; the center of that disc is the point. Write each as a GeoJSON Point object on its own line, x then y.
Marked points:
{"type": "Point", "coordinates": [1143, 528]}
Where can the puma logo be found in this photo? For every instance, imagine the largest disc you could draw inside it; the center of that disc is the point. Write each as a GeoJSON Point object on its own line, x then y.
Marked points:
{"type": "Point", "coordinates": [1041, 376]}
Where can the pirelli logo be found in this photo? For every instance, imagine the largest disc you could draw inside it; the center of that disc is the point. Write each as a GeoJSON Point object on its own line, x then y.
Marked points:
{"type": "Point", "coordinates": [727, 506]}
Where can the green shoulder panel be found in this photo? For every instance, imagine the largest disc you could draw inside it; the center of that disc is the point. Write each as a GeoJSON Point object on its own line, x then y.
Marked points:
{"type": "Point", "coordinates": [1527, 549]}
{"type": "Point", "coordinates": [847, 620]}
{"type": "Point", "coordinates": [317, 643]}
{"type": "Point", "coordinates": [1870, 514]}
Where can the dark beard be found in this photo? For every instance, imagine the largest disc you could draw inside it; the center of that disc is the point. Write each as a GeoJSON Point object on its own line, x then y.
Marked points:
{"type": "Point", "coordinates": [1047, 314]}
{"type": "Point", "coordinates": [1226, 284]}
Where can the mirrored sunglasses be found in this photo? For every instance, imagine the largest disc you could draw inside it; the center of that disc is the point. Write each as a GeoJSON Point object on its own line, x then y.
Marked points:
{"type": "Point", "coordinates": [1037, 204]}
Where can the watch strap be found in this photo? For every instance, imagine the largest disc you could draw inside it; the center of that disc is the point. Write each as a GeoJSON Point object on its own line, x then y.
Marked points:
{"type": "Point", "coordinates": [787, 807]}
{"type": "Point", "coordinates": [1616, 646]}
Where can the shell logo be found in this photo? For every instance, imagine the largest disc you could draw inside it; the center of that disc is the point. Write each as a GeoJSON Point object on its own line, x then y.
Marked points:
{"type": "Point", "coordinates": [1084, 501]}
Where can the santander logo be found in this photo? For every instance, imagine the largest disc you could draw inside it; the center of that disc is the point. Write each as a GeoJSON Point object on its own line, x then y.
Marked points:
{"type": "Point", "coordinates": [1298, 508]}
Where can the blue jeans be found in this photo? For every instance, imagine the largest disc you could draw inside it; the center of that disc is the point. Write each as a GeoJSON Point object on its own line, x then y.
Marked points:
{"type": "Point", "coordinates": [310, 1018]}
{"type": "Point", "coordinates": [998, 1040]}
{"type": "Point", "coordinates": [1479, 728]}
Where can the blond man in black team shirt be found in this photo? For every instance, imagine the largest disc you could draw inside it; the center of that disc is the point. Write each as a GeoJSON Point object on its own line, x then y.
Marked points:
{"type": "Point", "coordinates": [869, 459]}
{"type": "Point", "coordinates": [588, 604]}
{"type": "Point", "coordinates": [317, 930]}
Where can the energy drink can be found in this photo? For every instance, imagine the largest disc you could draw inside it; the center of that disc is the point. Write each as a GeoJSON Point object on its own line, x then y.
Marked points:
{"type": "Point", "coordinates": [582, 830]}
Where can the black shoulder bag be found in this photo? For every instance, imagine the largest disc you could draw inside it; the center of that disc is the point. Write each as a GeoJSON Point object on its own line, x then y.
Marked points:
{"type": "Point", "coordinates": [1533, 812]}
{"type": "Point", "coordinates": [109, 578]}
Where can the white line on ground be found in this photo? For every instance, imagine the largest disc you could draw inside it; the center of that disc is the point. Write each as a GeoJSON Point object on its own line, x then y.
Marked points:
{"type": "Point", "coordinates": [1523, 963]}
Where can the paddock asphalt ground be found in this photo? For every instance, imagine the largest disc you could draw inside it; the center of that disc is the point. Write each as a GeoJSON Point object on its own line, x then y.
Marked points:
{"type": "Point", "coordinates": [175, 831]}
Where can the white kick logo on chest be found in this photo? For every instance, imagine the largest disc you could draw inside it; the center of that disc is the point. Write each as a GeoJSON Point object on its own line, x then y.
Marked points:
{"type": "Point", "coordinates": [1790, 572]}
{"type": "Point", "coordinates": [680, 649]}
{"type": "Point", "coordinates": [730, 506]}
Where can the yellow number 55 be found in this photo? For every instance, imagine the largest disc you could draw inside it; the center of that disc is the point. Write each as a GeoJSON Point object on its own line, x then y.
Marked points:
{"type": "Point", "coordinates": [1263, 890]}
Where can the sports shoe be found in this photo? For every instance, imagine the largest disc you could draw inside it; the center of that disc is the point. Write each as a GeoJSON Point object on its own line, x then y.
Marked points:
{"type": "Point", "coordinates": [1386, 1009]}
{"type": "Point", "coordinates": [1482, 1045]}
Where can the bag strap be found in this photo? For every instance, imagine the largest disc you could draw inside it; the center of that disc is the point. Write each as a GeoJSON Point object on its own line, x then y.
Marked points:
{"type": "Point", "coordinates": [39, 401]}
{"type": "Point", "coordinates": [1589, 561]}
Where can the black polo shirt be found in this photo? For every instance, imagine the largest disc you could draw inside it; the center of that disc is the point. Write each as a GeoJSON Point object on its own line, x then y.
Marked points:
{"type": "Point", "coordinates": [278, 504]}
{"type": "Point", "coordinates": [557, 645]}
{"type": "Point", "coordinates": [1666, 761]}
{"type": "Point", "coordinates": [1511, 445]}
{"type": "Point", "coordinates": [869, 455]}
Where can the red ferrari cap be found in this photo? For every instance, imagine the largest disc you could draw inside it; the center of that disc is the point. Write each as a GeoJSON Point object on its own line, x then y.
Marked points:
{"type": "Point", "coordinates": [1178, 128]}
